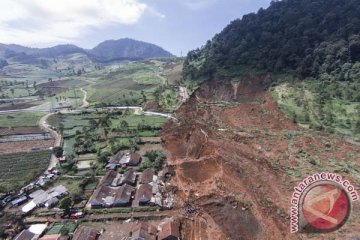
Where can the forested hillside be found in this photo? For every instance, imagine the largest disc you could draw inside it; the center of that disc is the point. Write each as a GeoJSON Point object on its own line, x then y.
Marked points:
{"type": "Point", "coordinates": [316, 43]}
{"type": "Point", "coordinates": [309, 38]}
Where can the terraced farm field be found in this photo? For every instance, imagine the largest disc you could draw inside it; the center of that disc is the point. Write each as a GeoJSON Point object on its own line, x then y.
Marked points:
{"type": "Point", "coordinates": [24, 146]}
{"type": "Point", "coordinates": [17, 169]}
{"type": "Point", "coordinates": [20, 119]}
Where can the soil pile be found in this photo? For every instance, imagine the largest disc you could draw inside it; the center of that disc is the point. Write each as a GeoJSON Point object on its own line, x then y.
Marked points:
{"type": "Point", "coordinates": [237, 160]}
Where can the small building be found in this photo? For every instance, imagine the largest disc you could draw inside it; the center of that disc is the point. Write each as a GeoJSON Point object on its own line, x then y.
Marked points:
{"type": "Point", "coordinates": [135, 159]}
{"type": "Point", "coordinates": [32, 233]}
{"type": "Point", "coordinates": [128, 177]}
{"type": "Point", "coordinates": [98, 199]}
{"type": "Point", "coordinates": [124, 160]}
{"type": "Point", "coordinates": [144, 194]}
{"type": "Point", "coordinates": [108, 179]}
{"type": "Point", "coordinates": [147, 176]}
{"type": "Point", "coordinates": [18, 201]}
{"type": "Point", "coordinates": [52, 202]}
{"type": "Point", "coordinates": [123, 196]}
{"type": "Point", "coordinates": [25, 235]}
{"type": "Point", "coordinates": [169, 229]}
{"type": "Point", "coordinates": [143, 231]}
{"type": "Point", "coordinates": [51, 237]}
{"type": "Point", "coordinates": [106, 196]}
{"type": "Point", "coordinates": [87, 233]}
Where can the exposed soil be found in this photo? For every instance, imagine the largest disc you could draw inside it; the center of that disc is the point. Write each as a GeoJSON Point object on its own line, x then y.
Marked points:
{"type": "Point", "coordinates": [19, 130]}
{"type": "Point", "coordinates": [237, 158]}
{"type": "Point", "coordinates": [25, 146]}
{"type": "Point", "coordinates": [17, 106]}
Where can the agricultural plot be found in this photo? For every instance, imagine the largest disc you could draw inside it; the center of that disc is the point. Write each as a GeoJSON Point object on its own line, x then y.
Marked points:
{"type": "Point", "coordinates": [25, 146]}
{"type": "Point", "coordinates": [129, 84]}
{"type": "Point", "coordinates": [300, 103]}
{"type": "Point", "coordinates": [57, 228]}
{"type": "Point", "coordinates": [20, 119]}
{"type": "Point", "coordinates": [17, 169]}
{"type": "Point", "coordinates": [76, 125]}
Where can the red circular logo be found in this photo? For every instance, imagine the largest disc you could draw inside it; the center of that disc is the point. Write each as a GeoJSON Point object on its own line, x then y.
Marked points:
{"type": "Point", "coordinates": [325, 207]}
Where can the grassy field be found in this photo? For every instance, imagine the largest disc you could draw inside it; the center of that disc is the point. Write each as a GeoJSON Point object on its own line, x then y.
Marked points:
{"type": "Point", "coordinates": [20, 168]}
{"type": "Point", "coordinates": [20, 119]}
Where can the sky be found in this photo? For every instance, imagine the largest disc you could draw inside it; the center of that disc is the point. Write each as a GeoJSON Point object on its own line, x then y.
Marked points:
{"type": "Point", "coordinates": [176, 25]}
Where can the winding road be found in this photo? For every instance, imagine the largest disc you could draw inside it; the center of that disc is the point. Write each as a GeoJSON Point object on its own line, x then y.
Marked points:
{"type": "Point", "coordinates": [46, 127]}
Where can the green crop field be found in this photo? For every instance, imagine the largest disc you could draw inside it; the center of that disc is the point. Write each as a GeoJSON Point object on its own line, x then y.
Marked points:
{"type": "Point", "coordinates": [20, 119]}
{"type": "Point", "coordinates": [18, 169]}
{"type": "Point", "coordinates": [57, 227]}
{"type": "Point", "coordinates": [300, 102]}
{"type": "Point", "coordinates": [124, 84]}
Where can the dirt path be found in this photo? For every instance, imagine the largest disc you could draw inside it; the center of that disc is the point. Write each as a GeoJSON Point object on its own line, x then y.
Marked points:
{"type": "Point", "coordinates": [46, 127]}
{"type": "Point", "coordinates": [85, 102]}
{"type": "Point", "coordinates": [183, 94]}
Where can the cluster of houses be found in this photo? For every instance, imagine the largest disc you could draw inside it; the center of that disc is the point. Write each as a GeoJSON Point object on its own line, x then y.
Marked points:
{"type": "Point", "coordinates": [122, 190]}
{"type": "Point", "coordinates": [48, 198]}
{"type": "Point", "coordinates": [39, 198]}
{"type": "Point", "coordinates": [168, 229]}
{"type": "Point", "coordinates": [123, 160]}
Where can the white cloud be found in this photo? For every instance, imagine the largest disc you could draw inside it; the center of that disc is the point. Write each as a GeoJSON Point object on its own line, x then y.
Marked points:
{"type": "Point", "coordinates": [197, 4]}
{"type": "Point", "coordinates": [55, 21]}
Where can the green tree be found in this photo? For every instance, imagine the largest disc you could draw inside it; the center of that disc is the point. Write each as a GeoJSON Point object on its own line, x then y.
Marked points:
{"type": "Point", "coordinates": [58, 151]}
{"type": "Point", "coordinates": [65, 204]}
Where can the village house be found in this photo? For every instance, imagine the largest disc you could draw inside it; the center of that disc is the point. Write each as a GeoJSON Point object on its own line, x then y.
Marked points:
{"type": "Point", "coordinates": [123, 160]}
{"type": "Point", "coordinates": [114, 179]}
{"type": "Point", "coordinates": [144, 194]}
{"type": "Point", "coordinates": [169, 229]}
{"type": "Point", "coordinates": [105, 196]}
{"type": "Point", "coordinates": [128, 177]}
{"type": "Point", "coordinates": [18, 201]}
{"type": "Point", "coordinates": [87, 233]}
{"type": "Point", "coordinates": [151, 180]}
{"type": "Point", "coordinates": [147, 176]}
{"type": "Point", "coordinates": [32, 233]}
{"type": "Point", "coordinates": [109, 178]}
{"type": "Point", "coordinates": [54, 237]}
{"type": "Point", "coordinates": [143, 231]}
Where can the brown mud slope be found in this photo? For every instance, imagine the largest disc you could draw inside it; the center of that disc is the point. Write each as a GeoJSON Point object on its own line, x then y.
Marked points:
{"type": "Point", "coordinates": [237, 158]}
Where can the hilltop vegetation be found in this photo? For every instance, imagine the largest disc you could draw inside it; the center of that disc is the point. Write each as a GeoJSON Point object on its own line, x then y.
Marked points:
{"type": "Point", "coordinates": [315, 42]}
{"type": "Point", "coordinates": [308, 38]}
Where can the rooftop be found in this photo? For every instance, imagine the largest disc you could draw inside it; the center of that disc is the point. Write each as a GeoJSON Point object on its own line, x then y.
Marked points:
{"type": "Point", "coordinates": [147, 176]}
{"type": "Point", "coordinates": [85, 233]}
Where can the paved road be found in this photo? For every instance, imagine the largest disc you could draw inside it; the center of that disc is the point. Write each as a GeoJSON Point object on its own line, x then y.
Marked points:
{"type": "Point", "coordinates": [46, 127]}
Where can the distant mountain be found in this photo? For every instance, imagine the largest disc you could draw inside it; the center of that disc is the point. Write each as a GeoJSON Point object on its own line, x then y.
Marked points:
{"type": "Point", "coordinates": [127, 49]}
{"type": "Point", "coordinates": [112, 50]}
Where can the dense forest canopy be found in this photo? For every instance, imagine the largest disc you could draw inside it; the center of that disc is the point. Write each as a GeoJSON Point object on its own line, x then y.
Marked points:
{"type": "Point", "coordinates": [305, 38]}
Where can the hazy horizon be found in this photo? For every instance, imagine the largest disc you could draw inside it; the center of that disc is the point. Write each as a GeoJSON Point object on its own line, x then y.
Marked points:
{"type": "Point", "coordinates": [177, 26]}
